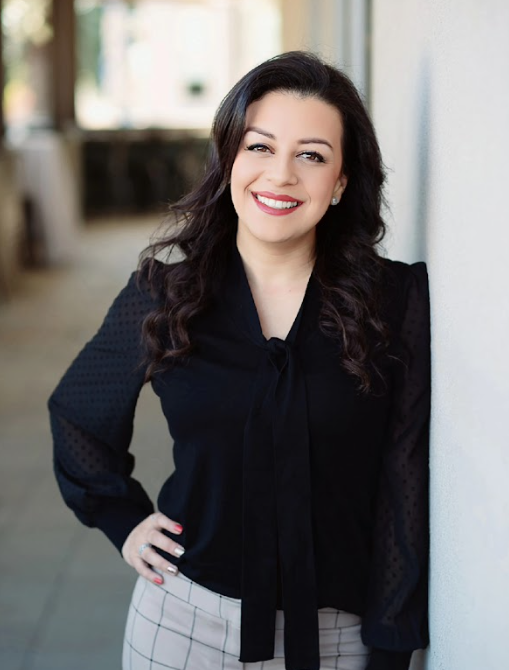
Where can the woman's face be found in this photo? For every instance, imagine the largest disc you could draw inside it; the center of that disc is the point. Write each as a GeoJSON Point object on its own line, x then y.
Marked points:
{"type": "Point", "coordinates": [287, 169]}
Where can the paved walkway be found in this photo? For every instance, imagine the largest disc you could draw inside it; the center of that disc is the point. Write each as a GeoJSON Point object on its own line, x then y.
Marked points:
{"type": "Point", "coordinates": [64, 589]}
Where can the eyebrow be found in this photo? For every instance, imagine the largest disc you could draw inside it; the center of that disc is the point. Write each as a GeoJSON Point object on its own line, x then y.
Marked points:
{"type": "Point", "coordinates": [306, 140]}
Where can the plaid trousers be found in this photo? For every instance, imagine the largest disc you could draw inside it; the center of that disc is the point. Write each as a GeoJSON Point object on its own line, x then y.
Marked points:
{"type": "Point", "coordinates": [184, 626]}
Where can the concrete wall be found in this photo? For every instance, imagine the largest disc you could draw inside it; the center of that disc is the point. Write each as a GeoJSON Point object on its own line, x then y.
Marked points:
{"type": "Point", "coordinates": [440, 99]}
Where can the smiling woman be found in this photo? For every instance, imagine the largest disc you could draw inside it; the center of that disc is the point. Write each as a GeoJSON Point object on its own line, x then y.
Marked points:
{"type": "Point", "coordinates": [289, 164]}
{"type": "Point", "coordinates": [292, 365]}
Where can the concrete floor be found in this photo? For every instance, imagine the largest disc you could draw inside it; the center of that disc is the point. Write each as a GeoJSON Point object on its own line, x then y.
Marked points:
{"type": "Point", "coordinates": [64, 589]}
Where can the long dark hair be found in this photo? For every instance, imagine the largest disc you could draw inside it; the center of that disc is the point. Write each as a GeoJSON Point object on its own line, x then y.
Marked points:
{"type": "Point", "coordinates": [347, 264]}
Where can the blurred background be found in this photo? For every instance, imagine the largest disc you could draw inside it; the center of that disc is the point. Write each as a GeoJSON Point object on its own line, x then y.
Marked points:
{"type": "Point", "coordinates": [104, 119]}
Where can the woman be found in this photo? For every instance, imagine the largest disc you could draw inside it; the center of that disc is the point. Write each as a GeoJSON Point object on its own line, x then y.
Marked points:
{"type": "Point", "coordinates": [292, 364]}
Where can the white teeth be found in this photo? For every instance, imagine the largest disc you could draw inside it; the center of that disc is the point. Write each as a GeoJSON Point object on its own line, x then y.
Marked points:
{"type": "Point", "coordinates": [277, 204]}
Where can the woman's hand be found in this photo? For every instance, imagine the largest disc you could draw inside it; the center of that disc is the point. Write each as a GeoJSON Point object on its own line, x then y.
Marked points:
{"type": "Point", "coordinates": [138, 549]}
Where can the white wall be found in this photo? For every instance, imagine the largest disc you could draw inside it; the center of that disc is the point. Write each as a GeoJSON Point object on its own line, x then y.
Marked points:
{"type": "Point", "coordinates": [441, 107]}
{"type": "Point", "coordinates": [334, 29]}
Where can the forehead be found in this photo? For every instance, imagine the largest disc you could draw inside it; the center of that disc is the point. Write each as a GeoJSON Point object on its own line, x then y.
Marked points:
{"type": "Point", "coordinates": [290, 113]}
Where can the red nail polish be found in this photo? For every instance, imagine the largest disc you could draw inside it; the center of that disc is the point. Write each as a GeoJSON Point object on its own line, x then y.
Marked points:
{"type": "Point", "coordinates": [158, 580]}
{"type": "Point", "coordinates": [178, 528]}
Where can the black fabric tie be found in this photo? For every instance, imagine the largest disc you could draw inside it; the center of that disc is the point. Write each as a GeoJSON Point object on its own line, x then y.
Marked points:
{"type": "Point", "coordinates": [277, 523]}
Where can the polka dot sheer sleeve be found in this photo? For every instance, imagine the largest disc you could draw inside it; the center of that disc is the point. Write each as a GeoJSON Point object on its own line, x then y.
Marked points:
{"type": "Point", "coordinates": [92, 411]}
{"type": "Point", "coordinates": [396, 619]}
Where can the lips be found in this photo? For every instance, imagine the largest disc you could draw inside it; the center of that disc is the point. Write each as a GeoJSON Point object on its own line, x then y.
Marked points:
{"type": "Point", "coordinates": [274, 204]}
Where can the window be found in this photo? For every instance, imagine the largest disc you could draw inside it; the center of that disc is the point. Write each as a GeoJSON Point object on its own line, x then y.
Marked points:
{"type": "Point", "coordinates": [26, 41]}
{"type": "Point", "coordinates": [166, 63]}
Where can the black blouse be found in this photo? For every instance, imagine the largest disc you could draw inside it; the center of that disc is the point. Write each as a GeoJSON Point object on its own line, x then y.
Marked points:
{"type": "Point", "coordinates": [295, 491]}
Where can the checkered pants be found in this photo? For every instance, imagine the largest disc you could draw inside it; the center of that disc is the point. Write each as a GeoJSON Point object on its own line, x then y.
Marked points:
{"type": "Point", "coordinates": [183, 626]}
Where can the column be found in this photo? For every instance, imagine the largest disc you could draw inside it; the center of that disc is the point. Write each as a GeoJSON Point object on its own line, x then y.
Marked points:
{"type": "Point", "coordinates": [63, 63]}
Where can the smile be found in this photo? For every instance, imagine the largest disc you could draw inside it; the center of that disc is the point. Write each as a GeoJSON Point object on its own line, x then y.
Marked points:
{"type": "Point", "coordinates": [276, 205]}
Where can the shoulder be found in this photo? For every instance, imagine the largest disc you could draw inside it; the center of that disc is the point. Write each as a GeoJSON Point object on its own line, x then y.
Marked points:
{"type": "Point", "coordinates": [398, 273]}
{"type": "Point", "coordinates": [150, 280]}
{"type": "Point", "coordinates": [404, 286]}
{"type": "Point", "coordinates": [401, 277]}
{"type": "Point", "coordinates": [143, 293]}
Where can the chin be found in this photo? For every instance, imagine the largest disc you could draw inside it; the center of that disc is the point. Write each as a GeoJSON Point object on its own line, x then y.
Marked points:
{"type": "Point", "coordinates": [272, 236]}
{"type": "Point", "coordinates": [274, 232]}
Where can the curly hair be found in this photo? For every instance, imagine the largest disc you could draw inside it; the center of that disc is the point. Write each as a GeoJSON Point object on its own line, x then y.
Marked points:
{"type": "Point", "coordinates": [347, 266]}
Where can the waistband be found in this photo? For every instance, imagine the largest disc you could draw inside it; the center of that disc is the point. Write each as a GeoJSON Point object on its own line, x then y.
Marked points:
{"type": "Point", "coordinates": [229, 609]}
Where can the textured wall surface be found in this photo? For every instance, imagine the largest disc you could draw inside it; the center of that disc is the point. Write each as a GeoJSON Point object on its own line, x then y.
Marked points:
{"type": "Point", "coordinates": [441, 107]}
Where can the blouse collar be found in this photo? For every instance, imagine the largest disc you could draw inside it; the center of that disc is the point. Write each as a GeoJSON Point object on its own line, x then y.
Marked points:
{"type": "Point", "coordinates": [237, 298]}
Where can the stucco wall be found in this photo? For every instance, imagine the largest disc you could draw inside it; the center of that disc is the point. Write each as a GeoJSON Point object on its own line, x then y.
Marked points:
{"type": "Point", "coordinates": [440, 100]}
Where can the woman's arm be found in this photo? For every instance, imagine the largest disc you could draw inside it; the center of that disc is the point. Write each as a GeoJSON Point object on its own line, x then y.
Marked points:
{"type": "Point", "coordinates": [92, 411]}
{"type": "Point", "coordinates": [396, 619]}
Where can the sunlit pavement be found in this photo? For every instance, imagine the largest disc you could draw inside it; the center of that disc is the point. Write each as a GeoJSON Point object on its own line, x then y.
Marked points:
{"type": "Point", "coordinates": [64, 589]}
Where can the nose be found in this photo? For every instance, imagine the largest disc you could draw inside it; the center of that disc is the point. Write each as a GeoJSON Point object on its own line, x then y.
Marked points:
{"type": "Point", "coordinates": [281, 170]}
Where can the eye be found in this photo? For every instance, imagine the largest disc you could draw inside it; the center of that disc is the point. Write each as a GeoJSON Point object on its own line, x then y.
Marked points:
{"type": "Point", "coordinates": [313, 156]}
{"type": "Point", "coordinates": [258, 148]}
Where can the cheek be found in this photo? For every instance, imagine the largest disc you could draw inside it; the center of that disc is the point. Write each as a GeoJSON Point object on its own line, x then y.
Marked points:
{"type": "Point", "coordinates": [240, 179]}
{"type": "Point", "coordinates": [242, 173]}
{"type": "Point", "coordinates": [322, 189]}
{"type": "Point", "coordinates": [234, 182]}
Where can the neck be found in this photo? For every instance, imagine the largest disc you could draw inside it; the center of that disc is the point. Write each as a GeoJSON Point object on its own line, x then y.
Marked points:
{"type": "Point", "coordinates": [269, 264]}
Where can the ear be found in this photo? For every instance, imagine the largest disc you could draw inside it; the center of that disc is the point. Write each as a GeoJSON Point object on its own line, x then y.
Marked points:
{"type": "Point", "coordinates": [340, 185]}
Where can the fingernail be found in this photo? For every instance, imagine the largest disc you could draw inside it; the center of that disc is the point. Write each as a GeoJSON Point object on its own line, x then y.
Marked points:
{"type": "Point", "coordinates": [172, 568]}
{"type": "Point", "coordinates": [158, 580]}
{"type": "Point", "coordinates": [178, 551]}
{"type": "Point", "coordinates": [178, 528]}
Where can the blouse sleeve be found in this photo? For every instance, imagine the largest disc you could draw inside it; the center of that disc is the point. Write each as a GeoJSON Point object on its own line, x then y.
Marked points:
{"type": "Point", "coordinates": [92, 412]}
{"type": "Point", "coordinates": [396, 618]}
